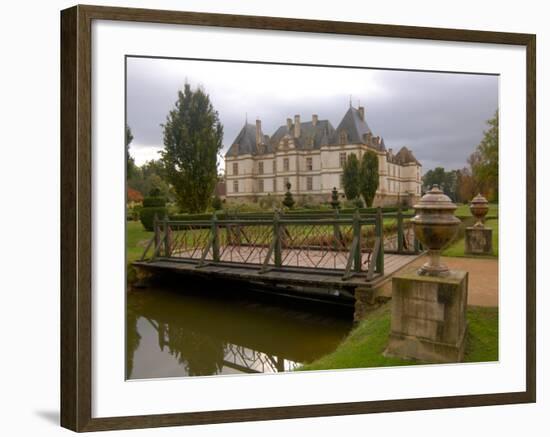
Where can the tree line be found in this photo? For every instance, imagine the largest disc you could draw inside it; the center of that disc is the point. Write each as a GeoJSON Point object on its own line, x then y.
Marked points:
{"type": "Point", "coordinates": [480, 175]}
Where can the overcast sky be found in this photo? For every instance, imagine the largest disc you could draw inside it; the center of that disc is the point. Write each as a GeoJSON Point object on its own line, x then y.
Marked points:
{"type": "Point", "coordinates": [440, 116]}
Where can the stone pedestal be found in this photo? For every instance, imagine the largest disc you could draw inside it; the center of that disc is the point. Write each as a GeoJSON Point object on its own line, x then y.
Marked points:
{"type": "Point", "coordinates": [478, 241]}
{"type": "Point", "coordinates": [428, 320]}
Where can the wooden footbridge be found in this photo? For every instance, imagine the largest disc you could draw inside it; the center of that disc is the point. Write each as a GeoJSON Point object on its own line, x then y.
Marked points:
{"type": "Point", "coordinates": [328, 253]}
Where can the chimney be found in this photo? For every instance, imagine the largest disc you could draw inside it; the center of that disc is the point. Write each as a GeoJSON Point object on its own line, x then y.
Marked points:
{"type": "Point", "coordinates": [297, 126]}
{"type": "Point", "coordinates": [258, 132]}
{"type": "Point", "coordinates": [289, 123]}
{"type": "Point", "coordinates": [314, 119]}
{"type": "Point", "coordinates": [362, 112]}
{"type": "Point", "coordinates": [390, 151]}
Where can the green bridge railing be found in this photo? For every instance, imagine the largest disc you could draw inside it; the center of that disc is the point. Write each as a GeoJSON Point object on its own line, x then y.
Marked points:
{"type": "Point", "coordinates": [347, 244]}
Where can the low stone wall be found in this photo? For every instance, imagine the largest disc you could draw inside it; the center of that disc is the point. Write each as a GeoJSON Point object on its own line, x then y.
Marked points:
{"type": "Point", "coordinates": [369, 299]}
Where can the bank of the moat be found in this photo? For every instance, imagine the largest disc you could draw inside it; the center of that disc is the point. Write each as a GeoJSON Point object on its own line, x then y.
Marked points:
{"type": "Point", "coordinates": [365, 344]}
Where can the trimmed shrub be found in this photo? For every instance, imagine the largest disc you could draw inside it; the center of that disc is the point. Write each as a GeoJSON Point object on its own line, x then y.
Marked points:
{"type": "Point", "coordinates": [150, 202]}
{"type": "Point", "coordinates": [288, 201]}
{"type": "Point", "coordinates": [217, 203]}
{"type": "Point", "coordinates": [147, 216]}
{"type": "Point", "coordinates": [152, 206]}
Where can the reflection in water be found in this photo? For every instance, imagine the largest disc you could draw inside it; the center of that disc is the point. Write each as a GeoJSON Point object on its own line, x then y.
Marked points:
{"type": "Point", "coordinates": [196, 332]}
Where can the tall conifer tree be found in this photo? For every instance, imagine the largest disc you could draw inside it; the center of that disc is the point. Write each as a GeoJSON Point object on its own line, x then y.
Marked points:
{"type": "Point", "coordinates": [192, 139]}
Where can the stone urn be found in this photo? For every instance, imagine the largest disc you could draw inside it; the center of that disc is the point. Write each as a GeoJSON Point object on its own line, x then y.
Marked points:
{"type": "Point", "coordinates": [435, 225]}
{"type": "Point", "coordinates": [479, 206]}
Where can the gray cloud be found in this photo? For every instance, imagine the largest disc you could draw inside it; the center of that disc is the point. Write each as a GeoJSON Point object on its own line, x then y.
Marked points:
{"type": "Point", "coordinates": [440, 116]}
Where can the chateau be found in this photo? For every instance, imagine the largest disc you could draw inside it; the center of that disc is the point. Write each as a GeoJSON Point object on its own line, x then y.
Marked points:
{"type": "Point", "coordinates": [311, 155]}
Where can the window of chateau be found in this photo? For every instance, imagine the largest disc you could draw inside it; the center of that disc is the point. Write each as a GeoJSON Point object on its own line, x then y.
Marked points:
{"type": "Point", "coordinates": [309, 183]}
{"type": "Point", "coordinates": [342, 159]}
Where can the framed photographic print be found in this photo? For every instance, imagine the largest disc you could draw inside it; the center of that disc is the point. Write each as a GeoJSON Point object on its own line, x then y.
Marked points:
{"type": "Point", "coordinates": [268, 218]}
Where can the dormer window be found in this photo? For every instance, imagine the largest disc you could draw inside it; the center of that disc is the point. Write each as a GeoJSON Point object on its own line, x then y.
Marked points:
{"type": "Point", "coordinates": [343, 137]}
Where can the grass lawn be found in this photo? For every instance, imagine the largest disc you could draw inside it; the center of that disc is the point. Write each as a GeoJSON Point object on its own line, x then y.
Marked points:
{"type": "Point", "coordinates": [464, 211]}
{"type": "Point", "coordinates": [365, 344]}
{"type": "Point", "coordinates": [457, 248]}
{"type": "Point", "coordinates": [136, 240]}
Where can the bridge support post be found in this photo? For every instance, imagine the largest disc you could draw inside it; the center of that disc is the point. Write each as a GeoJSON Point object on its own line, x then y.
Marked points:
{"type": "Point", "coordinates": [399, 230]}
{"type": "Point", "coordinates": [357, 256]}
{"type": "Point", "coordinates": [215, 239]}
{"type": "Point", "coordinates": [336, 230]}
{"type": "Point", "coordinates": [417, 245]}
{"type": "Point", "coordinates": [167, 237]}
{"type": "Point", "coordinates": [277, 240]}
{"type": "Point", "coordinates": [157, 235]}
{"type": "Point", "coordinates": [380, 234]}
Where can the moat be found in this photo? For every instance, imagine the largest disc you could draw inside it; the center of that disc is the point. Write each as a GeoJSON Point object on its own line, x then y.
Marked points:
{"type": "Point", "coordinates": [211, 329]}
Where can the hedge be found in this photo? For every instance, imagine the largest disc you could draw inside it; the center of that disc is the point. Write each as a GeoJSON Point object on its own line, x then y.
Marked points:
{"type": "Point", "coordinates": [297, 212]}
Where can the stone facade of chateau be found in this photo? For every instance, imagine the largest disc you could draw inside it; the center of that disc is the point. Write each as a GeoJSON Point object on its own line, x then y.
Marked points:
{"type": "Point", "coordinates": [310, 155]}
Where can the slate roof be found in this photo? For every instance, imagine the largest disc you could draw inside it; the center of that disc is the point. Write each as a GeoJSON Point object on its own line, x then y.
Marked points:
{"type": "Point", "coordinates": [245, 143]}
{"type": "Point", "coordinates": [405, 156]}
{"type": "Point", "coordinates": [314, 137]}
{"type": "Point", "coordinates": [355, 128]}
{"type": "Point", "coordinates": [311, 136]}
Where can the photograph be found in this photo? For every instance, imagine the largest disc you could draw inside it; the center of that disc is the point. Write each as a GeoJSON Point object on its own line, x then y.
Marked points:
{"type": "Point", "coordinates": [274, 218]}
{"type": "Point", "coordinates": [285, 217]}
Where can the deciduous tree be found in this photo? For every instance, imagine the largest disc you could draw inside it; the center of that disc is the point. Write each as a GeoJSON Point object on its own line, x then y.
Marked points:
{"type": "Point", "coordinates": [484, 161]}
{"type": "Point", "coordinates": [149, 176]}
{"type": "Point", "coordinates": [446, 180]}
{"type": "Point", "coordinates": [130, 163]}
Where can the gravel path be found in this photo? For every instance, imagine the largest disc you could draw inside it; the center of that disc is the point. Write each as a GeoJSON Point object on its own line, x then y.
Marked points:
{"type": "Point", "coordinates": [483, 278]}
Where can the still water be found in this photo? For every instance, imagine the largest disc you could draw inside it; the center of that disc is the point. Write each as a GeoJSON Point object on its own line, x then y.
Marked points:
{"type": "Point", "coordinates": [200, 331]}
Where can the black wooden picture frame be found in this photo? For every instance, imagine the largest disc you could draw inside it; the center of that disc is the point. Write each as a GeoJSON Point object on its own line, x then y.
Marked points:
{"type": "Point", "coordinates": [76, 217]}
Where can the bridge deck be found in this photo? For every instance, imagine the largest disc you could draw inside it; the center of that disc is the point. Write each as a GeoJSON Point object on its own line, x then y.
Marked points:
{"type": "Point", "coordinates": [319, 277]}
